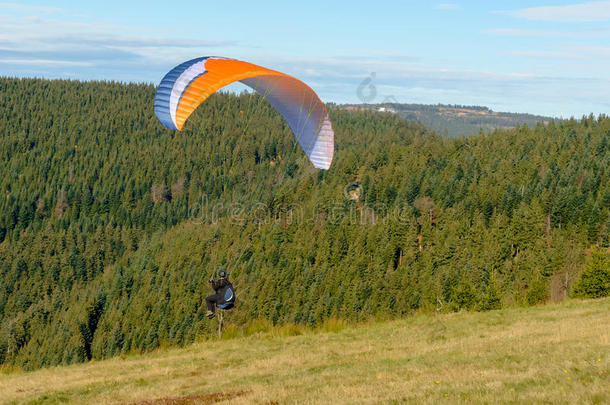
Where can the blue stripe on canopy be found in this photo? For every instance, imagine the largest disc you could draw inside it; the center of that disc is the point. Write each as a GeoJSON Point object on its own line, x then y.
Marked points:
{"type": "Point", "coordinates": [164, 92]}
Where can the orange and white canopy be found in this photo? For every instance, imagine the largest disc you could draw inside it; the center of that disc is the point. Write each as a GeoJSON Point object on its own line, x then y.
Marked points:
{"type": "Point", "coordinates": [190, 83]}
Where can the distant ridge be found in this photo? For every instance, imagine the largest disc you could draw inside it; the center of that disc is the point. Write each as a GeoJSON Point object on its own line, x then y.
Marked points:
{"type": "Point", "coordinates": [454, 120]}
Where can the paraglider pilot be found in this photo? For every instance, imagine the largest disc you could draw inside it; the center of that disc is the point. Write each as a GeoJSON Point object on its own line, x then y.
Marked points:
{"type": "Point", "coordinates": [223, 297]}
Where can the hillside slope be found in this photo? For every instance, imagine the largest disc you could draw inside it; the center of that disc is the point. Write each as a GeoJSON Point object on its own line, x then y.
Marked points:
{"type": "Point", "coordinates": [110, 225]}
{"type": "Point", "coordinates": [548, 354]}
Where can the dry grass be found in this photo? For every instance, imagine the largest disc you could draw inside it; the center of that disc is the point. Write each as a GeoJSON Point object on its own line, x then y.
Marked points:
{"type": "Point", "coordinates": [193, 399]}
{"type": "Point", "coordinates": [557, 354]}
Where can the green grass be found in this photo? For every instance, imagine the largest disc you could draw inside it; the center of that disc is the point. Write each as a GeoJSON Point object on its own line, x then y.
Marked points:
{"type": "Point", "coordinates": [555, 354]}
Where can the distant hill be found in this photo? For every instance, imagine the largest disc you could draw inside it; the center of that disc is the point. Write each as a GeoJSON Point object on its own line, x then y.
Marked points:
{"type": "Point", "coordinates": [454, 120]}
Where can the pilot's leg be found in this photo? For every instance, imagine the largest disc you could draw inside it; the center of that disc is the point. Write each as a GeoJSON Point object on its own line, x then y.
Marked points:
{"type": "Point", "coordinates": [211, 303]}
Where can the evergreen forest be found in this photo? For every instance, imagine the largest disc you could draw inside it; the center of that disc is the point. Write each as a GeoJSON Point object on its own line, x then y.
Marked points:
{"type": "Point", "coordinates": [111, 225]}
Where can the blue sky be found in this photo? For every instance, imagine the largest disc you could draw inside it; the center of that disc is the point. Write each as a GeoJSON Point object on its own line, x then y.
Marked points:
{"type": "Point", "coordinates": [544, 57]}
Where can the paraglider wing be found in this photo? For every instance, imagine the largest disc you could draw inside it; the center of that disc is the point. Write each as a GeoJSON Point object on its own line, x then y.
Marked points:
{"type": "Point", "coordinates": [186, 86]}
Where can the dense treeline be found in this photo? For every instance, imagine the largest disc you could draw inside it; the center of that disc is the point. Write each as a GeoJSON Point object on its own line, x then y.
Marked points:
{"type": "Point", "coordinates": [110, 225]}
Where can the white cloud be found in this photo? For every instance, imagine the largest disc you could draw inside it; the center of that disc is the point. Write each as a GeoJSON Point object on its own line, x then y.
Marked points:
{"type": "Point", "coordinates": [448, 6]}
{"type": "Point", "coordinates": [518, 32]}
{"type": "Point", "coordinates": [30, 39]}
{"type": "Point", "coordinates": [21, 7]}
{"type": "Point", "coordinates": [45, 62]}
{"type": "Point", "coordinates": [583, 12]}
{"type": "Point", "coordinates": [522, 32]}
{"type": "Point", "coordinates": [569, 52]}
{"type": "Point", "coordinates": [536, 54]}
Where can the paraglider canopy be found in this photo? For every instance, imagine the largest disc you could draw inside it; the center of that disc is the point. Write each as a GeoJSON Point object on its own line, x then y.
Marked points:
{"type": "Point", "coordinates": [187, 85]}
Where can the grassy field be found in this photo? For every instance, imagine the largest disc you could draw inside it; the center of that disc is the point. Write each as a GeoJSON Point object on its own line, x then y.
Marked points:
{"type": "Point", "coordinates": [555, 354]}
